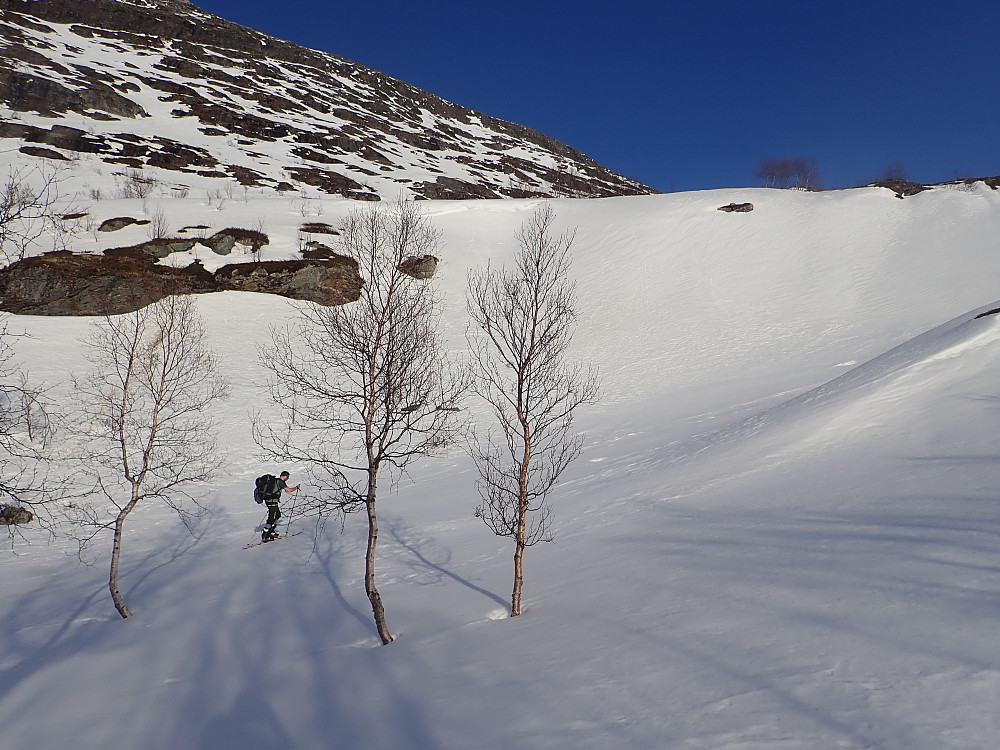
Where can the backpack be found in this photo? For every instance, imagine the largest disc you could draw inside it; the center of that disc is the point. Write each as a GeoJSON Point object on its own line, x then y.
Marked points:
{"type": "Point", "coordinates": [263, 488]}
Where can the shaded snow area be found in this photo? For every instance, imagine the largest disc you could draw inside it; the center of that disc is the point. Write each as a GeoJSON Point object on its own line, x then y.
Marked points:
{"type": "Point", "coordinates": [783, 532]}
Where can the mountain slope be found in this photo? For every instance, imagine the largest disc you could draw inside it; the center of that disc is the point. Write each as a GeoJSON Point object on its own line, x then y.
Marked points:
{"type": "Point", "coordinates": [201, 102]}
{"type": "Point", "coordinates": [764, 545]}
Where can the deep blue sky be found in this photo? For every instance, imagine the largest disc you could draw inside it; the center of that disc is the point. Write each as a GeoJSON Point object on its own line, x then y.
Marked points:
{"type": "Point", "coordinates": [692, 95]}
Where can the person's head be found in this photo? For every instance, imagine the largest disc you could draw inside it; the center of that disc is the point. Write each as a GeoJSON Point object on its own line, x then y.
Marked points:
{"type": "Point", "coordinates": [283, 475]}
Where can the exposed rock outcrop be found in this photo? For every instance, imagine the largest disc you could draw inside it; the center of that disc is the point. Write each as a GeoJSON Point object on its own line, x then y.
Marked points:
{"type": "Point", "coordinates": [43, 153]}
{"type": "Point", "coordinates": [317, 227]}
{"type": "Point", "coordinates": [419, 268]}
{"type": "Point", "coordinates": [119, 222]}
{"type": "Point", "coordinates": [28, 93]}
{"type": "Point", "coordinates": [314, 250]}
{"type": "Point", "coordinates": [738, 208]}
{"type": "Point", "coordinates": [63, 283]}
{"type": "Point", "coordinates": [906, 188]}
{"type": "Point", "coordinates": [327, 282]}
{"type": "Point", "coordinates": [153, 249]}
{"type": "Point", "coordinates": [223, 242]}
{"type": "Point", "coordinates": [901, 188]}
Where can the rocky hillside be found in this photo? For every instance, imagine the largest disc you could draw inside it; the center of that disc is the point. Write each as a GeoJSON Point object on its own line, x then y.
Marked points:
{"type": "Point", "coordinates": [161, 85]}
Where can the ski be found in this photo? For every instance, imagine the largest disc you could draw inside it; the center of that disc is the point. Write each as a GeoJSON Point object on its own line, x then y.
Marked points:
{"type": "Point", "coordinates": [259, 542]}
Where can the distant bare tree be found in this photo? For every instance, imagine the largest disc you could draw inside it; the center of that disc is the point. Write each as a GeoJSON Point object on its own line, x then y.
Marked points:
{"type": "Point", "coordinates": [143, 429]}
{"type": "Point", "coordinates": [365, 387]}
{"type": "Point", "coordinates": [788, 173]}
{"type": "Point", "coordinates": [159, 226]}
{"type": "Point", "coordinates": [805, 173]}
{"type": "Point", "coordinates": [771, 172]}
{"type": "Point", "coordinates": [523, 321]}
{"type": "Point", "coordinates": [135, 183]}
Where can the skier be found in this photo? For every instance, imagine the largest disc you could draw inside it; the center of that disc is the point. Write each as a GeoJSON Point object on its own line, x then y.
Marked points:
{"type": "Point", "coordinates": [272, 500]}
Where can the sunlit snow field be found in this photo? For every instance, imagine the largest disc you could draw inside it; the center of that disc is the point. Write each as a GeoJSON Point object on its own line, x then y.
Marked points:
{"type": "Point", "coordinates": [783, 532]}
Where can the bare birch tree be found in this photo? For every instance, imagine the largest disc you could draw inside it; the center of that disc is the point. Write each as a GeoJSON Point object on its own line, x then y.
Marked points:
{"type": "Point", "coordinates": [25, 432]}
{"type": "Point", "coordinates": [366, 387]}
{"type": "Point", "coordinates": [143, 427]}
{"type": "Point", "coordinates": [523, 321]}
{"type": "Point", "coordinates": [28, 198]}
{"type": "Point", "coordinates": [788, 173]}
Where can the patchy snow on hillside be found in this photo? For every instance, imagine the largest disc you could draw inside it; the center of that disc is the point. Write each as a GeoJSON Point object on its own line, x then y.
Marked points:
{"type": "Point", "coordinates": [206, 105]}
{"type": "Point", "coordinates": [784, 530]}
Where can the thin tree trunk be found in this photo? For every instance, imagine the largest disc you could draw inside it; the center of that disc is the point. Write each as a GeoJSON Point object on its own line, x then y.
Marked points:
{"type": "Point", "coordinates": [373, 596]}
{"type": "Point", "coordinates": [520, 539]}
{"type": "Point", "coordinates": [116, 552]}
{"type": "Point", "coordinates": [515, 600]}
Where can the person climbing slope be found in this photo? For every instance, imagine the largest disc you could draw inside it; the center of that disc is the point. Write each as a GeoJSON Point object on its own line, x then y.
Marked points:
{"type": "Point", "coordinates": [272, 499]}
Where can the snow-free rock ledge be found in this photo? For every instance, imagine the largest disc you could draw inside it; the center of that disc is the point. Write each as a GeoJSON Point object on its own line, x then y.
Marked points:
{"type": "Point", "coordinates": [65, 283]}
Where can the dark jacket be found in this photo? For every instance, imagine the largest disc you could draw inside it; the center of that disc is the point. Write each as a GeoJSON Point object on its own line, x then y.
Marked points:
{"type": "Point", "coordinates": [273, 494]}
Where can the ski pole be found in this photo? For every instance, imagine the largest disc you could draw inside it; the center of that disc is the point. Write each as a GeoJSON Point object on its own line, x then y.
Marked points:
{"type": "Point", "coordinates": [291, 511]}
{"type": "Point", "coordinates": [254, 532]}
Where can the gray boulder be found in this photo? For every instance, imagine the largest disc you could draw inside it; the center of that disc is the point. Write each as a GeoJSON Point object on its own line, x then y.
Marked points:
{"type": "Point", "coordinates": [423, 267]}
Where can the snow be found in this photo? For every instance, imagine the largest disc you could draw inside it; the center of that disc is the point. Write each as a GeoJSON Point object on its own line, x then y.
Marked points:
{"type": "Point", "coordinates": [783, 532]}
{"type": "Point", "coordinates": [482, 150]}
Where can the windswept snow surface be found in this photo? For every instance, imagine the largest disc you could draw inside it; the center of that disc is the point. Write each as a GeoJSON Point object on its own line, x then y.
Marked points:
{"type": "Point", "coordinates": [783, 534]}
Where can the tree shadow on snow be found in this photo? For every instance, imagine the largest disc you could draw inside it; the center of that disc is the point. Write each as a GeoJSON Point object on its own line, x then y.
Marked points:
{"type": "Point", "coordinates": [438, 568]}
{"type": "Point", "coordinates": [255, 726]}
{"type": "Point", "coordinates": [325, 559]}
{"type": "Point", "coordinates": [85, 627]}
{"type": "Point", "coordinates": [76, 634]}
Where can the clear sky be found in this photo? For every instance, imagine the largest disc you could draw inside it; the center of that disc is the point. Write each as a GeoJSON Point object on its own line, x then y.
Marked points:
{"type": "Point", "coordinates": [692, 95]}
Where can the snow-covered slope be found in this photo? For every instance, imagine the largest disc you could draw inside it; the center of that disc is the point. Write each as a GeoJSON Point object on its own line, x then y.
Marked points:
{"type": "Point", "coordinates": [783, 532]}
{"type": "Point", "coordinates": [202, 104]}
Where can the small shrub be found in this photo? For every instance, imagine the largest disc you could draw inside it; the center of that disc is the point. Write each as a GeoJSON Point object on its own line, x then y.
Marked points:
{"type": "Point", "coordinates": [159, 227]}
{"type": "Point", "coordinates": [135, 184]}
